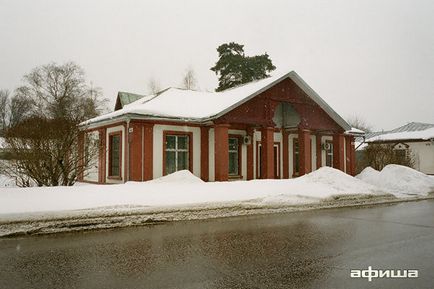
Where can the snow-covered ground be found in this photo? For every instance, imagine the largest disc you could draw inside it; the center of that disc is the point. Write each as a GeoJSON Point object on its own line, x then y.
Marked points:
{"type": "Point", "coordinates": [399, 180]}
{"type": "Point", "coordinates": [182, 196]}
{"type": "Point", "coordinates": [184, 189]}
{"type": "Point", "coordinates": [6, 181]}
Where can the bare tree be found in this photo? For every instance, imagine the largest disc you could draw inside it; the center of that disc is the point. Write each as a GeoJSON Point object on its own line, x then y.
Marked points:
{"type": "Point", "coordinates": [359, 123]}
{"type": "Point", "coordinates": [48, 156]}
{"type": "Point", "coordinates": [4, 109]}
{"type": "Point", "coordinates": [153, 86]}
{"type": "Point", "coordinates": [20, 107]}
{"type": "Point", "coordinates": [47, 145]}
{"type": "Point", "coordinates": [378, 156]}
{"type": "Point", "coordinates": [189, 80]}
{"type": "Point", "coordinates": [60, 91]}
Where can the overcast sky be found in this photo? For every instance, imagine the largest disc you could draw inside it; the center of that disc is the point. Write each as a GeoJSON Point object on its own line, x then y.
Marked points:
{"type": "Point", "coordinates": [370, 58]}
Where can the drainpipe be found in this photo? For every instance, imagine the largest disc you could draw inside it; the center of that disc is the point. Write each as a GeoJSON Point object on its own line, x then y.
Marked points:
{"type": "Point", "coordinates": [127, 151]}
{"type": "Point", "coordinates": [364, 140]}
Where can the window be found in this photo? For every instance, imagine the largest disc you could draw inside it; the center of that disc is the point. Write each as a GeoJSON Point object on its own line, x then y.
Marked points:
{"type": "Point", "coordinates": [296, 155]}
{"type": "Point", "coordinates": [177, 153]}
{"type": "Point", "coordinates": [234, 156]}
{"type": "Point", "coordinates": [401, 154]}
{"type": "Point", "coordinates": [115, 154]}
{"type": "Point", "coordinates": [329, 153]}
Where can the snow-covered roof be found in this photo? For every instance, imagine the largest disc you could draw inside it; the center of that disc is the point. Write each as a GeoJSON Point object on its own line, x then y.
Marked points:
{"type": "Point", "coordinates": [355, 131]}
{"type": "Point", "coordinates": [410, 131]}
{"type": "Point", "coordinates": [200, 106]}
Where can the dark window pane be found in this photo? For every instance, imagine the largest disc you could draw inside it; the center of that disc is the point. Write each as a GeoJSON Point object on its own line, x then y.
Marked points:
{"type": "Point", "coordinates": [182, 142]}
{"type": "Point", "coordinates": [233, 144]}
{"type": "Point", "coordinates": [297, 163]}
{"type": "Point", "coordinates": [115, 155]}
{"type": "Point", "coordinates": [170, 141]}
{"type": "Point", "coordinates": [170, 162]}
{"type": "Point", "coordinates": [233, 163]}
{"type": "Point", "coordinates": [182, 161]}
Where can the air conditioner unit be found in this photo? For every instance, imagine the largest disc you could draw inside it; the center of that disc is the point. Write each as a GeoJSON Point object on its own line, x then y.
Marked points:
{"type": "Point", "coordinates": [326, 146]}
{"type": "Point", "coordinates": [247, 140]}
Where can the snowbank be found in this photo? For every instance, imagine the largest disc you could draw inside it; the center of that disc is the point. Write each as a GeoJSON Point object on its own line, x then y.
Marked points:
{"type": "Point", "coordinates": [6, 181]}
{"type": "Point", "coordinates": [399, 180]}
{"type": "Point", "coordinates": [183, 189]}
{"type": "Point", "coordinates": [184, 176]}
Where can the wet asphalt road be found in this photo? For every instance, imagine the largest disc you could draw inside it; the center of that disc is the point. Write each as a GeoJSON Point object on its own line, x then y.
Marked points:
{"type": "Point", "coordinates": [300, 250]}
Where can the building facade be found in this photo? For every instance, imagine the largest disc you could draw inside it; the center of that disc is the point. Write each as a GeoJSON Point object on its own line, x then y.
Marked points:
{"type": "Point", "coordinates": [275, 128]}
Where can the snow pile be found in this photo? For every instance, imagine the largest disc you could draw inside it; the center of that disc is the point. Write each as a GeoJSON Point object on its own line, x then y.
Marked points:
{"type": "Point", "coordinates": [399, 180]}
{"type": "Point", "coordinates": [184, 190]}
{"type": "Point", "coordinates": [321, 184]}
{"type": "Point", "coordinates": [6, 181]}
{"type": "Point", "coordinates": [340, 181]}
{"type": "Point", "coordinates": [184, 176]}
{"type": "Point", "coordinates": [370, 176]}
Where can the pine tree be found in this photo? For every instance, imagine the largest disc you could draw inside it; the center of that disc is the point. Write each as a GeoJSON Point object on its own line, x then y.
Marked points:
{"type": "Point", "coordinates": [234, 68]}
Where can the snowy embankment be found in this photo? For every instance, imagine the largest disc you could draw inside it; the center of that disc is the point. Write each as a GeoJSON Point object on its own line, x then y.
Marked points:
{"type": "Point", "coordinates": [182, 196]}
{"type": "Point", "coordinates": [399, 180]}
{"type": "Point", "coordinates": [183, 189]}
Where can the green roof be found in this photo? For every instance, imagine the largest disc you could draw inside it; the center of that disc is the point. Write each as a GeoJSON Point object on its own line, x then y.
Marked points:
{"type": "Point", "coordinates": [125, 98]}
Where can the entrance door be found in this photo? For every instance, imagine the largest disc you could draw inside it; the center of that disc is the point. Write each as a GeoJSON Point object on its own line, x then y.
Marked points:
{"type": "Point", "coordinates": [276, 156]}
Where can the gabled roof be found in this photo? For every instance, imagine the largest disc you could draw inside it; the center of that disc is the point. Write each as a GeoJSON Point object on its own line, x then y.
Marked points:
{"type": "Point", "coordinates": [410, 131]}
{"type": "Point", "coordinates": [125, 98]}
{"type": "Point", "coordinates": [413, 126]}
{"type": "Point", "coordinates": [198, 106]}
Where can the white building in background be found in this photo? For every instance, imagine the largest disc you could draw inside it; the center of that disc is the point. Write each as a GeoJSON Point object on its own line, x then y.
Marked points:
{"type": "Point", "coordinates": [415, 137]}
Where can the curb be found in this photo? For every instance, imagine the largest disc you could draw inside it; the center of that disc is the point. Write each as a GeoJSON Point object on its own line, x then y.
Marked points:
{"type": "Point", "coordinates": [91, 220]}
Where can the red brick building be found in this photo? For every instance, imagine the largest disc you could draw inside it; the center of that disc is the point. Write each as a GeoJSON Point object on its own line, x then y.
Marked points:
{"type": "Point", "coordinates": [277, 127]}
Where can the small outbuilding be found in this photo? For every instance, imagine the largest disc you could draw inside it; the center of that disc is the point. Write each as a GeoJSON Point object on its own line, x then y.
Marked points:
{"type": "Point", "coordinates": [274, 128]}
{"type": "Point", "coordinates": [414, 138]}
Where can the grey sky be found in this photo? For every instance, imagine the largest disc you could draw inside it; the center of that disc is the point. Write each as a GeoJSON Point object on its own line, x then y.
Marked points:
{"type": "Point", "coordinates": [370, 58]}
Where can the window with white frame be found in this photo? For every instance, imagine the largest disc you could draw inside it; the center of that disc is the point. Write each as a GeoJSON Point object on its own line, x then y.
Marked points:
{"type": "Point", "coordinates": [177, 153]}
{"type": "Point", "coordinates": [234, 156]}
{"type": "Point", "coordinates": [329, 153]}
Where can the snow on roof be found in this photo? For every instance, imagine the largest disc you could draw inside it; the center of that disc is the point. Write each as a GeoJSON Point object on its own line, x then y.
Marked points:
{"type": "Point", "coordinates": [199, 106]}
{"type": "Point", "coordinates": [410, 131]}
{"type": "Point", "coordinates": [411, 135]}
{"type": "Point", "coordinates": [355, 131]}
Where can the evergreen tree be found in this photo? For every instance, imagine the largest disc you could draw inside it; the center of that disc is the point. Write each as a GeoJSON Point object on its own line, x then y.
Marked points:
{"type": "Point", "coordinates": [234, 68]}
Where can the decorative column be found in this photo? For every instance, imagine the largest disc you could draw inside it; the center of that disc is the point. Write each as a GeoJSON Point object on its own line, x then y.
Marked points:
{"type": "Point", "coordinates": [338, 151]}
{"type": "Point", "coordinates": [148, 152]}
{"type": "Point", "coordinates": [285, 155]}
{"type": "Point", "coordinates": [221, 152]}
{"type": "Point", "coordinates": [305, 151]}
{"type": "Point", "coordinates": [350, 157]}
{"type": "Point", "coordinates": [250, 167]}
{"type": "Point", "coordinates": [318, 151]}
{"type": "Point", "coordinates": [204, 153]}
{"type": "Point", "coordinates": [135, 162]}
{"type": "Point", "coordinates": [267, 155]}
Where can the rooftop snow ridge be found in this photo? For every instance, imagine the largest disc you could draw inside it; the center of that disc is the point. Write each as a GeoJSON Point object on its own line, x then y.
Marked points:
{"type": "Point", "coordinates": [199, 106]}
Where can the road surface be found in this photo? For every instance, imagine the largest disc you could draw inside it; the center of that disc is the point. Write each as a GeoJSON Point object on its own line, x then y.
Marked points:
{"type": "Point", "coordinates": [314, 249]}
